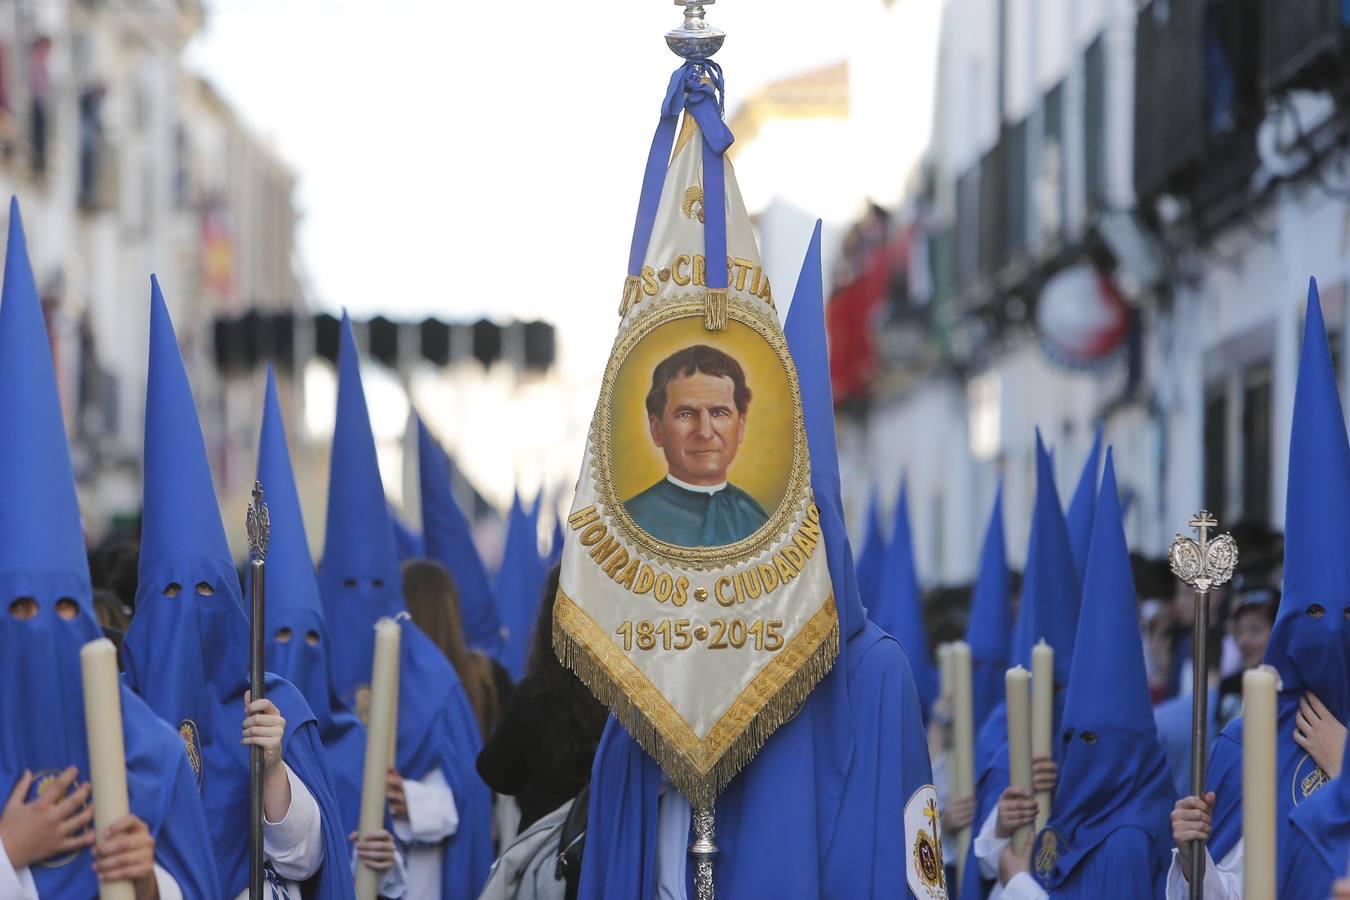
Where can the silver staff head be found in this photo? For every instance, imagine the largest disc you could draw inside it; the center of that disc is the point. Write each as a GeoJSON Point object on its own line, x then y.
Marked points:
{"type": "Point", "coordinates": [695, 39]}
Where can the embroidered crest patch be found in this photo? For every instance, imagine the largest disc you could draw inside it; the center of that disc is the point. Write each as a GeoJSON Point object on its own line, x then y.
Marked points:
{"type": "Point", "coordinates": [923, 837]}
{"type": "Point", "coordinates": [192, 745]}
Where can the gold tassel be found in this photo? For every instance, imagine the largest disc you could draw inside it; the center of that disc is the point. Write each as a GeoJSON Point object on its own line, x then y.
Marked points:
{"type": "Point", "coordinates": [715, 309]}
{"type": "Point", "coordinates": [632, 294]}
{"type": "Point", "coordinates": [700, 788]}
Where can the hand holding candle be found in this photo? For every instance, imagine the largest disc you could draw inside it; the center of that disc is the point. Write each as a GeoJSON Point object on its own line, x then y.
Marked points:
{"type": "Point", "coordinates": [107, 752]}
{"type": "Point", "coordinates": [1017, 684]}
{"type": "Point", "coordinates": [1042, 716]}
{"type": "Point", "coordinates": [379, 740]}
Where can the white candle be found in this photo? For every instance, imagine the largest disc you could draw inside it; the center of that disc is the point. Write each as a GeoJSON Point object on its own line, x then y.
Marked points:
{"type": "Point", "coordinates": [107, 752]}
{"type": "Point", "coordinates": [962, 781]}
{"type": "Point", "coordinates": [393, 717]}
{"type": "Point", "coordinates": [1017, 684]}
{"type": "Point", "coordinates": [383, 697]}
{"type": "Point", "coordinates": [1259, 687]}
{"type": "Point", "coordinates": [944, 655]}
{"type": "Point", "coordinates": [1042, 716]}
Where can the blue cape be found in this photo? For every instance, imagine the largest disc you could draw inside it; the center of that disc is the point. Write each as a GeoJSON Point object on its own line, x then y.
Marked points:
{"type": "Point", "coordinates": [1114, 776]}
{"type": "Point", "coordinates": [834, 779]}
{"type": "Point", "coordinates": [520, 587]}
{"type": "Point", "coordinates": [899, 609]}
{"type": "Point", "coordinates": [1308, 647]}
{"type": "Point", "coordinates": [359, 583]}
{"type": "Point", "coordinates": [187, 649]}
{"type": "Point", "coordinates": [295, 613]}
{"type": "Point", "coordinates": [871, 557]}
{"type": "Point", "coordinates": [1318, 841]}
{"type": "Point", "coordinates": [450, 542]}
{"type": "Point", "coordinates": [42, 556]}
{"type": "Point", "coordinates": [990, 627]}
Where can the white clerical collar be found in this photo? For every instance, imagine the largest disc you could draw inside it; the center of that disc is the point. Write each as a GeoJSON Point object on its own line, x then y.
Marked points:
{"type": "Point", "coordinates": [696, 488]}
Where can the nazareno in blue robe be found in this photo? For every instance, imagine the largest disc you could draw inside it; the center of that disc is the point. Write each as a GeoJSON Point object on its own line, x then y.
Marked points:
{"type": "Point", "coordinates": [1108, 833]}
{"type": "Point", "coordinates": [819, 812]}
{"type": "Point", "coordinates": [1317, 841]}
{"type": "Point", "coordinates": [688, 518]}
{"type": "Point", "coordinates": [1310, 643]}
{"type": "Point", "coordinates": [359, 583]}
{"type": "Point", "coordinates": [187, 649]}
{"type": "Point", "coordinates": [1049, 611]}
{"type": "Point", "coordinates": [42, 556]}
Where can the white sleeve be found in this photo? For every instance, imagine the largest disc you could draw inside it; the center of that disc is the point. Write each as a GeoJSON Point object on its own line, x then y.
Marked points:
{"type": "Point", "coordinates": [988, 846]}
{"type": "Point", "coordinates": [295, 844]}
{"type": "Point", "coordinates": [1023, 887]}
{"type": "Point", "coordinates": [167, 884]}
{"type": "Point", "coordinates": [432, 814]}
{"type": "Point", "coordinates": [1222, 882]}
{"type": "Point", "coordinates": [15, 884]}
{"type": "Point", "coordinates": [394, 880]}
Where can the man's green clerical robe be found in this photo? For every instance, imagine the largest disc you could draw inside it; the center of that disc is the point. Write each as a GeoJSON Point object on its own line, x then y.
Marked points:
{"type": "Point", "coordinates": [688, 518]}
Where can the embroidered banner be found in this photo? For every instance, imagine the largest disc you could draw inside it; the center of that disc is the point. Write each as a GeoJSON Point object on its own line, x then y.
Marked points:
{"type": "Point", "coordinates": [695, 596]}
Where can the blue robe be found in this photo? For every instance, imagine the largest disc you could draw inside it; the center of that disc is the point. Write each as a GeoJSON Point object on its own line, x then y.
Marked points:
{"type": "Point", "coordinates": [687, 518]}
{"type": "Point", "coordinates": [1316, 844]}
{"type": "Point", "coordinates": [823, 841]}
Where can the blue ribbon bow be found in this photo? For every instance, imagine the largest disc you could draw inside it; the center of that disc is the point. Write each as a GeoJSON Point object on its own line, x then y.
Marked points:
{"type": "Point", "coordinates": [696, 86]}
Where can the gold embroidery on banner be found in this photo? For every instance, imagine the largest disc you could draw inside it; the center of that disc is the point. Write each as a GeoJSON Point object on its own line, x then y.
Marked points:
{"type": "Point", "coordinates": [699, 769]}
{"type": "Point", "coordinates": [760, 319]}
{"type": "Point", "coordinates": [688, 128]}
{"type": "Point", "coordinates": [692, 207]}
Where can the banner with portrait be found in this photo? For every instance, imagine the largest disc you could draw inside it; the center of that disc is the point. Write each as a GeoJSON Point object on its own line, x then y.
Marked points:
{"type": "Point", "coordinates": [695, 597]}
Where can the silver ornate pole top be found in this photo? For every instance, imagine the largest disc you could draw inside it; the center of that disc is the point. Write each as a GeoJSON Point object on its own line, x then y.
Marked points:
{"type": "Point", "coordinates": [695, 39]}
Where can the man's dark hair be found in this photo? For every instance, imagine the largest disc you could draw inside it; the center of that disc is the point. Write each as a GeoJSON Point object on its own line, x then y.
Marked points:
{"type": "Point", "coordinates": [698, 359]}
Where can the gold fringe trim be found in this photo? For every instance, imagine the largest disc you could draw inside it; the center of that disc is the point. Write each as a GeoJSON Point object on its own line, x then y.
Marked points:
{"type": "Point", "coordinates": [632, 294]}
{"type": "Point", "coordinates": [715, 310]}
{"type": "Point", "coordinates": [699, 769]}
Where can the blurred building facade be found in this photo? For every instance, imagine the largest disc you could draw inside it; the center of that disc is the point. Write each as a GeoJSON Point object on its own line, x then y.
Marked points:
{"type": "Point", "coordinates": [1113, 225]}
{"type": "Point", "coordinates": [125, 164]}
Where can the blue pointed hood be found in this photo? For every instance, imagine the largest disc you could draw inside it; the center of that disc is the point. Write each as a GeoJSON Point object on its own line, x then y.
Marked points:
{"type": "Point", "coordinates": [899, 609]}
{"type": "Point", "coordinates": [42, 553]}
{"type": "Point", "coordinates": [449, 541]}
{"type": "Point", "coordinates": [520, 585]}
{"type": "Point", "coordinates": [299, 644]}
{"type": "Point", "coordinates": [1050, 585]}
{"type": "Point", "coordinates": [990, 627]}
{"type": "Point", "coordinates": [872, 556]}
{"type": "Point", "coordinates": [1083, 506]}
{"type": "Point", "coordinates": [1310, 643]}
{"type": "Point", "coordinates": [1114, 774]}
{"type": "Point", "coordinates": [359, 579]}
{"type": "Point", "coordinates": [42, 557]}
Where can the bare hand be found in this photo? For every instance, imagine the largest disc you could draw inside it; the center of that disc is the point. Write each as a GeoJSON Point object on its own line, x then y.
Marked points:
{"type": "Point", "coordinates": [54, 824]}
{"type": "Point", "coordinates": [1318, 732]}
{"type": "Point", "coordinates": [1192, 820]}
{"type": "Point", "coordinates": [398, 801]}
{"type": "Point", "coordinates": [1011, 862]}
{"type": "Point", "coordinates": [959, 814]}
{"type": "Point", "coordinates": [1341, 890]}
{"type": "Point", "coordinates": [126, 852]}
{"type": "Point", "coordinates": [1044, 774]}
{"type": "Point", "coordinates": [1016, 807]}
{"type": "Point", "coordinates": [375, 850]}
{"type": "Point", "coordinates": [264, 727]}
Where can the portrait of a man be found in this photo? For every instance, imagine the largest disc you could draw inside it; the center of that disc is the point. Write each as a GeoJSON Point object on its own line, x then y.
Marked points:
{"type": "Point", "coordinates": [697, 410]}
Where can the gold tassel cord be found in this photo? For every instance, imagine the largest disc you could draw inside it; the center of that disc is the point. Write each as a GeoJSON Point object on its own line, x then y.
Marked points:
{"type": "Point", "coordinates": [632, 294]}
{"type": "Point", "coordinates": [715, 310]}
{"type": "Point", "coordinates": [639, 711]}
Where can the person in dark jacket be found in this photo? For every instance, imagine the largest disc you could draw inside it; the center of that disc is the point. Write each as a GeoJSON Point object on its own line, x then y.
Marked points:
{"type": "Point", "coordinates": [542, 749]}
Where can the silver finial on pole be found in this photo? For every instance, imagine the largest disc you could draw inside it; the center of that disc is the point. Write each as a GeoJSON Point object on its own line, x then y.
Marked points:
{"type": "Point", "coordinates": [695, 39]}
